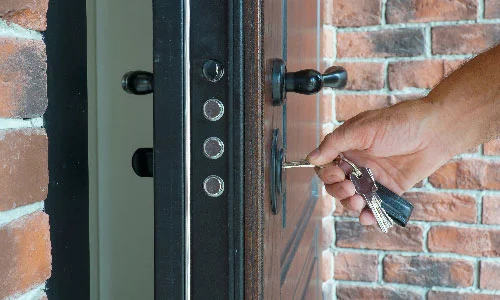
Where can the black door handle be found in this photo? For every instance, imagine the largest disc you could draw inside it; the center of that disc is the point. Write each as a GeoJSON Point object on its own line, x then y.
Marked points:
{"type": "Point", "coordinates": [305, 82]}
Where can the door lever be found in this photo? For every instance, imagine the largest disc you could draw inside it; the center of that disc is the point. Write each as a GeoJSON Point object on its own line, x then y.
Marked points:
{"type": "Point", "coordinates": [305, 82]}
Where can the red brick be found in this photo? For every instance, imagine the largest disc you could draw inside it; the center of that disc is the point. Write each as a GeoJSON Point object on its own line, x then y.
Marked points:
{"type": "Point", "coordinates": [437, 295]}
{"type": "Point", "coordinates": [355, 13]}
{"type": "Point", "coordinates": [364, 76]}
{"type": "Point", "coordinates": [23, 167]}
{"type": "Point", "coordinates": [349, 292]}
{"type": "Point", "coordinates": [356, 266]}
{"type": "Point", "coordinates": [382, 43]}
{"type": "Point", "coordinates": [491, 9]}
{"type": "Point", "coordinates": [430, 206]}
{"type": "Point", "coordinates": [27, 13]}
{"type": "Point", "coordinates": [428, 271]}
{"type": "Point", "coordinates": [453, 65]}
{"type": "Point", "coordinates": [25, 258]}
{"type": "Point", "coordinates": [348, 105]}
{"type": "Point", "coordinates": [327, 233]}
{"type": "Point", "coordinates": [468, 174]}
{"type": "Point", "coordinates": [489, 275]}
{"type": "Point", "coordinates": [351, 234]}
{"type": "Point", "coordinates": [326, 11]}
{"type": "Point", "coordinates": [464, 39]}
{"type": "Point", "coordinates": [326, 108]}
{"type": "Point", "coordinates": [327, 44]}
{"type": "Point", "coordinates": [23, 78]}
{"type": "Point", "coordinates": [467, 241]}
{"type": "Point", "coordinates": [326, 265]}
{"type": "Point", "coordinates": [491, 210]}
{"type": "Point", "coordinates": [423, 74]}
{"type": "Point", "coordinates": [411, 11]}
{"type": "Point", "coordinates": [492, 147]}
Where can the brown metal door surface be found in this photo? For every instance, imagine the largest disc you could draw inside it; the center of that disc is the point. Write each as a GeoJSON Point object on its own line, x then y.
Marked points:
{"type": "Point", "coordinates": [281, 250]}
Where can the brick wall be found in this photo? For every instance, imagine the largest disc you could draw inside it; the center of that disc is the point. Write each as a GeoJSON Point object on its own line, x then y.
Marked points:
{"type": "Point", "coordinates": [25, 258]}
{"type": "Point", "coordinates": [395, 50]}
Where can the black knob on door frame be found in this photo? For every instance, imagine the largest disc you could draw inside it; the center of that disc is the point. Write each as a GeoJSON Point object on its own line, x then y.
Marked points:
{"type": "Point", "coordinates": [305, 82]}
{"type": "Point", "coordinates": [138, 82]}
{"type": "Point", "coordinates": [142, 162]}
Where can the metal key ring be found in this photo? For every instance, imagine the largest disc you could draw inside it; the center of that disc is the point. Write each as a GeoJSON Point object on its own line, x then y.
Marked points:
{"type": "Point", "coordinates": [355, 169]}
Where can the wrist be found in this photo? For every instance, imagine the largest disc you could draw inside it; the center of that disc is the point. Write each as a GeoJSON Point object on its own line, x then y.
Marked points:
{"type": "Point", "coordinates": [439, 123]}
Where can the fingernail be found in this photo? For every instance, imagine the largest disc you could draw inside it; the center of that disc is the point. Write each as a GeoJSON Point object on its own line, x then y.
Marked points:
{"type": "Point", "coordinates": [313, 154]}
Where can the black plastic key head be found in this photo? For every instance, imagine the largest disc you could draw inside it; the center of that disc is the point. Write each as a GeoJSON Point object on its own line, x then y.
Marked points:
{"type": "Point", "coordinates": [396, 206]}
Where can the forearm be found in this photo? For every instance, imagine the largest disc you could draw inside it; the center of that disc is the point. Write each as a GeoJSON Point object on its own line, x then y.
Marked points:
{"type": "Point", "coordinates": [467, 103]}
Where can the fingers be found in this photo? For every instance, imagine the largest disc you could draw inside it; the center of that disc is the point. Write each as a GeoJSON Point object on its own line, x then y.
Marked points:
{"type": "Point", "coordinates": [356, 203]}
{"type": "Point", "coordinates": [331, 173]}
{"type": "Point", "coordinates": [366, 217]}
{"type": "Point", "coordinates": [340, 140]}
{"type": "Point", "coordinates": [341, 190]}
{"type": "Point", "coordinates": [345, 191]}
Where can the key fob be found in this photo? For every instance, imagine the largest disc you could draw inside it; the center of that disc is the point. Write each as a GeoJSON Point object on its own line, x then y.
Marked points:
{"type": "Point", "coordinates": [396, 207]}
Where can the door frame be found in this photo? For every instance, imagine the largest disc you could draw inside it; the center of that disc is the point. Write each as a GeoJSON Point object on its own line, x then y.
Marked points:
{"type": "Point", "coordinates": [65, 120]}
{"type": "Point", "coordinates": [220, 24]}
{"type": "Point", "coordinates": [170, 216]}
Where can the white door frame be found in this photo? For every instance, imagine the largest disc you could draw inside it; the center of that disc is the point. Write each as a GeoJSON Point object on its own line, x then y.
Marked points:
{"type": "Point", "coordinates": [120, 203]}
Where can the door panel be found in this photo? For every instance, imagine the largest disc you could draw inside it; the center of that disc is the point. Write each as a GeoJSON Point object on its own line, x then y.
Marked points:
{"type": "Point", "coordinates": [290, 238]}
{"type": "Point", "coordinates": [273, 119]}
{"type": "Point", "coordinates": [299, 269]}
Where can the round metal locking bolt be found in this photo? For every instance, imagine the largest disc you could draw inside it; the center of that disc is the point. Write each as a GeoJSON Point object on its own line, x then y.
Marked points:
{"type": "Point", "coordinates": [213, 109]}
{"type": "Point", "coordinates": [213, 186]}
{"type": "Point", "coordinates": [213, 147]}
{"type": "Point", "coordinates": [213, 70]}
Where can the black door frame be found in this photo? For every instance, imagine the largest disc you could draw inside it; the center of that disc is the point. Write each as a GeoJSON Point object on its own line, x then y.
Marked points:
{"type": "Point", "coordinates": [66, 120]}
{"type": "Point", "coordinates": [217, 233]}
{"type": "Point", "coordinates": [191, 228]}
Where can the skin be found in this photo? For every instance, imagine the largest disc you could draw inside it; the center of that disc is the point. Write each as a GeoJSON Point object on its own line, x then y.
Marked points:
{"type": "Point", "coordinates": [409, 141]}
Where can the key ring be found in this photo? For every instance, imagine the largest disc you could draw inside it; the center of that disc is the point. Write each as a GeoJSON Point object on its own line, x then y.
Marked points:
{"type": "Point", "coordinates": [355, 169]}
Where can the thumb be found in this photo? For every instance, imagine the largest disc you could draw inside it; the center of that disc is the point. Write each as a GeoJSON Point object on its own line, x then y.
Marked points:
{"type": "Point", "coordinates": [349, 136]}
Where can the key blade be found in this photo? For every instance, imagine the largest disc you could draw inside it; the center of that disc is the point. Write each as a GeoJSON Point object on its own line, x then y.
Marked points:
{"type": "Point", "coordinates": [298, 164]}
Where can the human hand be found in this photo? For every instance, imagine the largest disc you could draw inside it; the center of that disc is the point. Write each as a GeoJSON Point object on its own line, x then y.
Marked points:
{"type": "Point", "coordinates": [402, 145]}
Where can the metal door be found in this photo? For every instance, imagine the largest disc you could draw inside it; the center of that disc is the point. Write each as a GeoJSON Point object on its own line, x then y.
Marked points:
{"type": "Point", "coordinates": [284, 242]}
{"type": "Point", "coordinates": [216, 233]}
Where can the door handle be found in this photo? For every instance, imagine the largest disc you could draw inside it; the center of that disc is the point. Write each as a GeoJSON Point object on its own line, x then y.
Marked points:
{"type": "Point", "coordinates": [138, 82]}
{"type": "Point", "coordinates": [305, 82]}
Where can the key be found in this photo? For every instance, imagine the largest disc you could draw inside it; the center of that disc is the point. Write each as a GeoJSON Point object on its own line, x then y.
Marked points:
{"type": "Point", "coordinates": [397, 208]}
{"type": "Point", "coordinates": [298, 164]}
{"type": "Point", "coordinates": [363, 181]}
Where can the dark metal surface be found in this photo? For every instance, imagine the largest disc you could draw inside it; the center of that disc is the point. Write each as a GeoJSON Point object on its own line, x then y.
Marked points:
{"type": "Point", "coordinates": [142, 162]}
{"type": "Point", "coordinates": [138, 82]}
{"type": "Point", "coordinates": [278, 73]}
{"type": "Point", "coordinates": [216, 219]}
{"type": "Point", "coordinates": [305, 82]}
{"type": "Point", "coordinates": [67, 203]}
{"type": "Point", "coordinates": [169, 93]}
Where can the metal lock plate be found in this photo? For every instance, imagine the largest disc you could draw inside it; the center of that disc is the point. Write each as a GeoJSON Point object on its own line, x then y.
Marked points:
{"type": "Point", "coordinates": [277, 175]}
